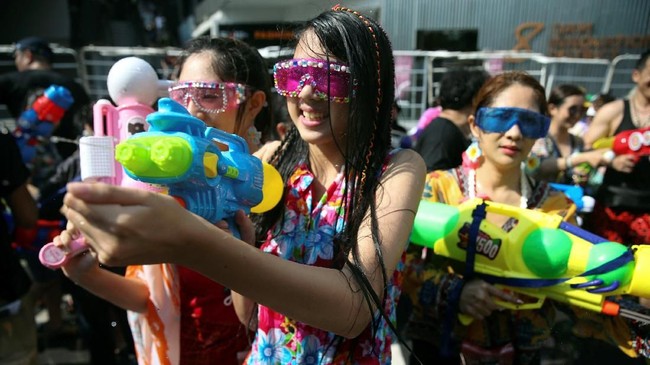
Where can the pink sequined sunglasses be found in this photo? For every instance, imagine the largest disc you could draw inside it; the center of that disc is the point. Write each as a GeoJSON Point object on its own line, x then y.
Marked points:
{"type": "Point", "coordinates": [327, 79]}
{"type": "Point", "coordinates": [209, 97]}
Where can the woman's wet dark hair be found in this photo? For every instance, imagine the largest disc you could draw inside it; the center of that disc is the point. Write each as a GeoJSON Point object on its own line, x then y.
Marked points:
{"type": "Point", "coordinates": [363, 45]}
{"type": "Point", "coordinates": [561, 92]}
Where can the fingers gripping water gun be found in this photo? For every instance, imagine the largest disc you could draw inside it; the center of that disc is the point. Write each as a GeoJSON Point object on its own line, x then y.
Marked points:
{"type": "Point", "coordinates": [635, 142]}
{"type": "Point", "coordinates": [541, 257]}
{"type": "Point", "coordinates": [38, 122]}
{"type": "Point", "coordinates": [134, 86]}
{"type": "Point", "coordinates": [182, 154]}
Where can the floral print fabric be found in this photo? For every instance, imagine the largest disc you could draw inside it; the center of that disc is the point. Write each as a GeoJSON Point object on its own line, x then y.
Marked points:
{"type": "Point", "coordinates": [306, 235]}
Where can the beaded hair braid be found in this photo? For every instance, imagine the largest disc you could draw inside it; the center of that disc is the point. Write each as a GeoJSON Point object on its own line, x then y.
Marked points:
{"type": "Point", "coordinates": [368, 25]}
{"type": "Point", "coordinates": [365, 21]}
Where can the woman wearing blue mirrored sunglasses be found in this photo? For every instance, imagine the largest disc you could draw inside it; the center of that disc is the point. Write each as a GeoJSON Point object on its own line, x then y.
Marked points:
{"type": "Point", "coordinates": [506, 127]}
{"type": "Point", "coordinates": [507, 120]}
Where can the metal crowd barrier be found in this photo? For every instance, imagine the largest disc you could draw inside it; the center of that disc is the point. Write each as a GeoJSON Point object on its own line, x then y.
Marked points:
{"type": "Point", "coordinates": [417, 73]}
{"type": "Point", "coordinates": [95, 62]}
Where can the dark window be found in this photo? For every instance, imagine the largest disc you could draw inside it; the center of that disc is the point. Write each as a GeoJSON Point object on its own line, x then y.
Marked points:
{"type": "Point", "coordinates": [464, 40]}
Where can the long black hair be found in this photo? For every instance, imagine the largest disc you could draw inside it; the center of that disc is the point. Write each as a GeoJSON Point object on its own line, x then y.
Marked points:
{"type": "Point", "coordinates": [363, 45]}
{"type": "Point", "coordinates": [235, 61]}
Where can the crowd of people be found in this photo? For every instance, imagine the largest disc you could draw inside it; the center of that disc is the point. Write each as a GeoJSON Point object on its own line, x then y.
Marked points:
{"type": "Point", "coordinates": [328, 275]}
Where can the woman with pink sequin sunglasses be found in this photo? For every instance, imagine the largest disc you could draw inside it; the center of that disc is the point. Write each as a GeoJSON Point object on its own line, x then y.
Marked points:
{"type": "Point", "coordinates": [224, 83]}
{"type": "Point", "coordinates": [179, 316]}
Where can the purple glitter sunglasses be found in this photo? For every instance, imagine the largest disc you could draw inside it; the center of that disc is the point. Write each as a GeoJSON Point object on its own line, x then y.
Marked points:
{"type": "Point", "coordinates": [292, 75]}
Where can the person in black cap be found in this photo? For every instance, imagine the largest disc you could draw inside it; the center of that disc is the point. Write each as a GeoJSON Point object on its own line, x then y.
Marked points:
{"type": "Point", "coordinates": [33, 59]}
{"type": "Point", "coordinates": [33, 53]}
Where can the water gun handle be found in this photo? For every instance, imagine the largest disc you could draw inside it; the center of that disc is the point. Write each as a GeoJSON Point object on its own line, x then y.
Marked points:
{"type": "Point", "coordinates": [53, 257]}
{"type": "Point", "coordinates": [234, 144]}
{"type": "Point", "coordinates": [232, 225]}
{"type": "Point", "coordinates": [534, 299]}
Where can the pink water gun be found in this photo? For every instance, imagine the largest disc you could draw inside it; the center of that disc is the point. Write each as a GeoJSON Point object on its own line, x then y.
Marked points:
{"type": "Point", "coordinates": [134, 87]}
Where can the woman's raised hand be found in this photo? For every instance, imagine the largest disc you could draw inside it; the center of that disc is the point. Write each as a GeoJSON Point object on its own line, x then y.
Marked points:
{"type": "Point", "coordinates": [126, 226]}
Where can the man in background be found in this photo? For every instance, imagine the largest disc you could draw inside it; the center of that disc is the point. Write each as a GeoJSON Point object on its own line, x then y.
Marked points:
{"type": "Point", "coordinates": [33, 59]}
{"type": "Point", "coordinates": [444, 140]}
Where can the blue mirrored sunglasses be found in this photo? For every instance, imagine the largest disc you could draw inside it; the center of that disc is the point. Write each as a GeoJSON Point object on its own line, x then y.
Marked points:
{"type": "Point", "coordinates": [499, 120]}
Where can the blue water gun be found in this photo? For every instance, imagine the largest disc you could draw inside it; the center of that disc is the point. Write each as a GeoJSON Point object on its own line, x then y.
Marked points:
{"type": "Point", "coordinates": [38, 122]}
{"type": "Point", "coordinates": [584, 203]}
{"type": "Point", "coordinates": [182, 154]}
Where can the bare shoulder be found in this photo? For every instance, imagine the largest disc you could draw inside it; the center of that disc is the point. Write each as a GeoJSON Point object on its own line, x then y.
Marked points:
{"type": "Point", "coordinates": [610, 111]}
{"type": "Point", "coordinates": [406, 164]}
{"type": "Point", "coordinates": [267, 150]}
{"type": "Point", "coordinates": [607, 119]}
{"type": "Point", "coordinates": [409, 157]}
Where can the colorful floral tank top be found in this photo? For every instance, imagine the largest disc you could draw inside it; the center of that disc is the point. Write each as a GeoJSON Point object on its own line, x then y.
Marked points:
{"type": "Point", "coordinates": [305, 235]}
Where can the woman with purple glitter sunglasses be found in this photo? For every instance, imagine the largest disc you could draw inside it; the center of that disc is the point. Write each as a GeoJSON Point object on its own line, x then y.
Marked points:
{"type": "Point", "coordinates": [322, 283]}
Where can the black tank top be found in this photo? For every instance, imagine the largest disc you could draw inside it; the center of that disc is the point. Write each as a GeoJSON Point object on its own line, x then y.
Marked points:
{"type": "Point", "coordinates": [627, 191]}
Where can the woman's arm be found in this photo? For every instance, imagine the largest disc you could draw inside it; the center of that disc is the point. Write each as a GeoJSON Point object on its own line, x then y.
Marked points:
{"type": "Point", "coordinates": [126, 293]}
{"type": "Point", "coordinates": [550, 167]}
{"type": "Point", "coordinates": [128, 226]}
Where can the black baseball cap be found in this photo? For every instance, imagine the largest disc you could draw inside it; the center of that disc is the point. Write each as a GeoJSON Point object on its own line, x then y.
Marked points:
{"type": "Point", "coordinates": [37, 45]}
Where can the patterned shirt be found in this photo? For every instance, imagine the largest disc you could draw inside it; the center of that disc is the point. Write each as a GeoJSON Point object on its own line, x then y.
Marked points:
{"type": "Point", "coordinates": [306, 235]}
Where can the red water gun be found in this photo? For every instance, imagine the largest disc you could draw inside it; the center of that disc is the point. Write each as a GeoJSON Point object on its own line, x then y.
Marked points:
{"type": "Point", "coordinates": [633, 142]}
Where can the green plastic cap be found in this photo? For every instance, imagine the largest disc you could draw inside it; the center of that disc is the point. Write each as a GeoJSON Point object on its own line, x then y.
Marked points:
{"type": "Point", "coordinates": [172, 155]}
{"type": "Point", "coordinates": [433, 221]}
{"type": "Point", "coordinates": [133, 156]}
{"type": "Point", "coordinates": [546, 252]}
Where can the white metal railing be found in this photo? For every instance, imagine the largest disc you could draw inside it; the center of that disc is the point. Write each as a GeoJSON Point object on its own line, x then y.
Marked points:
{"type": "Point", "coordinates": [618, 77]}
{"type": "Point", "coordinates": [418, 85]}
